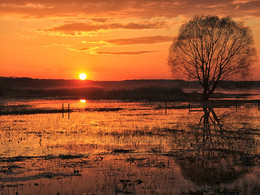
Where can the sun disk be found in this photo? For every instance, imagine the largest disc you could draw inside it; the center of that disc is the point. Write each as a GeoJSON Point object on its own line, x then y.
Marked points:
{"type": "Point", "coordinates": [82, 76]}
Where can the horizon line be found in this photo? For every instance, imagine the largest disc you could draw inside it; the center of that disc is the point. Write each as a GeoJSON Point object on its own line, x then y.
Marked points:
{"type": "Point", "coordinates": [141, 79]}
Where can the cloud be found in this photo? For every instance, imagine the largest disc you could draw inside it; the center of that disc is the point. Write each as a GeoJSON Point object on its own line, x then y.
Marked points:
{"type": "Point", "coordinates": [99, 19]}
{"type": "Point", "coordinates": [84, 49]}
{"type": "Point", "coordinates": [141, 40]}
{"type": "Point", "coordinates": [71, 28]}
{"type": "Point", "coordinates": [128, 8]}
{"type": "Point", "coordinates": [124, 52]}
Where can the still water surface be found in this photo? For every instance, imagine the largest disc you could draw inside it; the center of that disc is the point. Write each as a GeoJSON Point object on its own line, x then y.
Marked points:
{"type": "Point", "coordinates": [113, 147]}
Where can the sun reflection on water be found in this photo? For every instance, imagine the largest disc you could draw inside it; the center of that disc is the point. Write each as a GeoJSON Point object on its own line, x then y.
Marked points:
{"type": "Point", "coordinates": [82, 101]}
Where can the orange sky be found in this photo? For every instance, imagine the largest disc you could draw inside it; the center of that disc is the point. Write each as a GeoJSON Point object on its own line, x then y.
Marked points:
{"type": "Point", "coordinates": [106, 39]}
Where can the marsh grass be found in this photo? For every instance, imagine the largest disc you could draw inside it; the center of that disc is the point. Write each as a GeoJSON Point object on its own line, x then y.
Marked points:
{"type": "Point", "coordinates": [28, 109]}
{"type": "Point", "coordinates": [32, 109]}
{"type": "Point", "coordinates": [134, 150]}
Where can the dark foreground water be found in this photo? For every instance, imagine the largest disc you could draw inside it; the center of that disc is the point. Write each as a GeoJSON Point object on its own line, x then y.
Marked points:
{"type": "Point", "coordinates": [111, 147]}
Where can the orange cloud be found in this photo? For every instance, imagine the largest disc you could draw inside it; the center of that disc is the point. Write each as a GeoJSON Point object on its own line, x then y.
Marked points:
{"type": "Point", "coordinates": [87, 27]}
{"type": "Point", "coordinates": [128, 8]}
{"type": "Point", "coordinates": [83, 49]}
{"type": "Point", "coordinates": [100, 19]}
{"type": "Point", "coordinates": [141, 40]}
{"type": "Point", "coordinates": [124, 52]}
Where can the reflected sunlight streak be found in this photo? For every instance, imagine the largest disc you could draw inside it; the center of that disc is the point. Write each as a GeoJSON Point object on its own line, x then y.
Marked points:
{"type": "Point", "coordinates": [82, 101]}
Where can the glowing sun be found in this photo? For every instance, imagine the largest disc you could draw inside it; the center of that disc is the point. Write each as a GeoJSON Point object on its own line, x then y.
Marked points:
{"type": "Point", "coordinates": [82, 76]}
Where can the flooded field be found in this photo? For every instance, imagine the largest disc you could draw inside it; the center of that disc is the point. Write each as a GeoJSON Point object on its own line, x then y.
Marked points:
{"type": "Point", "coordinates": [113, 147]}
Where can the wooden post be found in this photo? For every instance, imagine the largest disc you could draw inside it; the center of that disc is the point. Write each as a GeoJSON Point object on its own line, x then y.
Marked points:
{"type": "Point", "coordinates": [189, 106]}
{"type": "Point", "coordinates": [68, 110]}
{"type": "Point", "coordinates": [236, 105]}
{"type": "Point", "coordinates": [165, 107]}
{"type": "Point", "coordinates": [62, 110]}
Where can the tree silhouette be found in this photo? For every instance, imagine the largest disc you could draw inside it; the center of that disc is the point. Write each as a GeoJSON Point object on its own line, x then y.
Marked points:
{"type": "Point", "coordinates": [211, 49]}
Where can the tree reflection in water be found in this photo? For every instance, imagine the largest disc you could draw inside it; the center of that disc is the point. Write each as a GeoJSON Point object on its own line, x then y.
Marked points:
{"type": "Point", "coordinates": [213, 153]}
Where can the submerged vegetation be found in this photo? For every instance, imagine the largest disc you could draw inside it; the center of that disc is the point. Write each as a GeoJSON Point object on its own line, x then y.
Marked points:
{"type": "Point", "coordinates": [27, 109]}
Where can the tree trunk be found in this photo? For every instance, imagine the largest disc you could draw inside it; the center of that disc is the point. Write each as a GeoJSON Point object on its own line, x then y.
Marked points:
{"type": "Point", "coordinates": [205, 95]}
{"type": "Point", "coordinates": [208, 92]}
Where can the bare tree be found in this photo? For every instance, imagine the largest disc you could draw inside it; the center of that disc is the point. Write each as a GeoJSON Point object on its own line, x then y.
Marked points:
{"type": "Point", "coordinates": [211, 49]}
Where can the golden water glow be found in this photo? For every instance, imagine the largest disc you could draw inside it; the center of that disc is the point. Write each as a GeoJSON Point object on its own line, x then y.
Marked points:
{"type": "Point", "coordinates": [82, 76]}
{"type": "Point", "coordinates": [93, 149]}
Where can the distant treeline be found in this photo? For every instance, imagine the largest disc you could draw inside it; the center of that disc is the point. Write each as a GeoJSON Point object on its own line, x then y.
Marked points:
{"type": "Point", "coordinates": [155, 90]}
{"type": "Point", "coordinates": [10, 82]}
{"type": "Point", "coordinates": [150, 94]}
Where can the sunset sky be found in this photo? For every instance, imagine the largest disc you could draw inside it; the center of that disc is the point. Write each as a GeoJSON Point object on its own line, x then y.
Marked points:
{"type": "Point", "coordinates": [106, 39]}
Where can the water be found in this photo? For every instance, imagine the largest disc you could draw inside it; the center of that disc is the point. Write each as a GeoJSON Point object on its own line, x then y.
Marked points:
{"type": "Point", "coordinates": [132, 148]}
{"type": "Point", "coordinates": [252, 94]}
